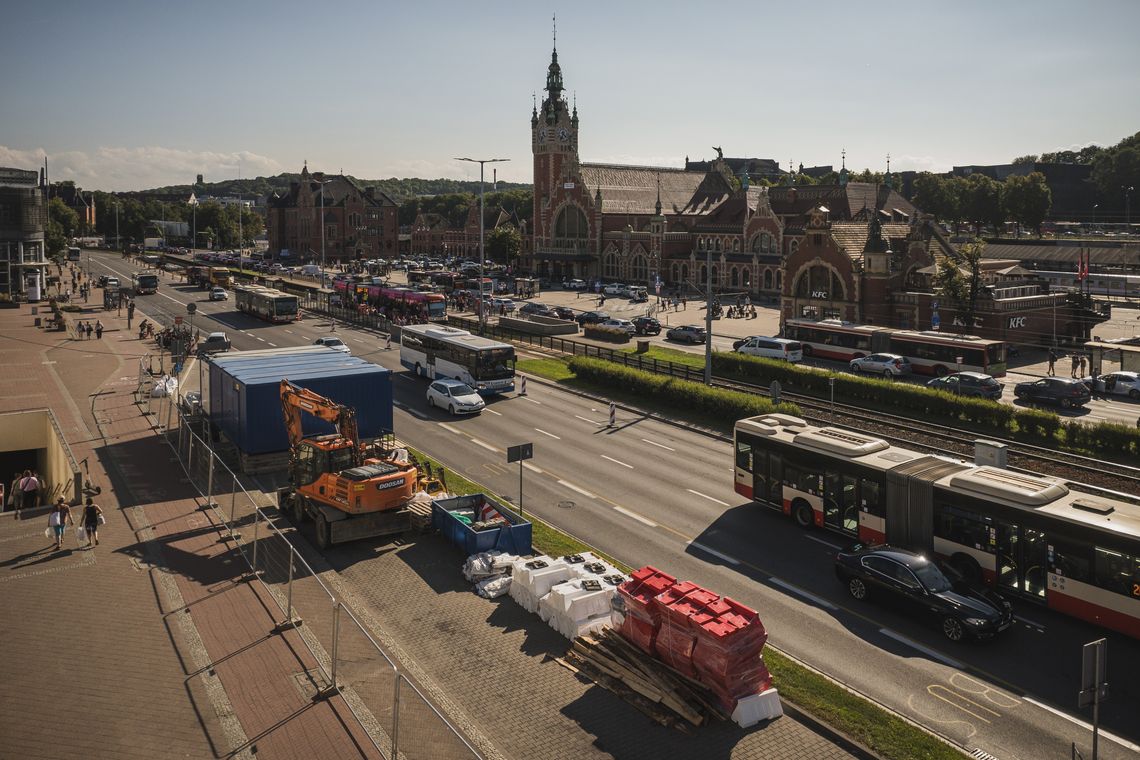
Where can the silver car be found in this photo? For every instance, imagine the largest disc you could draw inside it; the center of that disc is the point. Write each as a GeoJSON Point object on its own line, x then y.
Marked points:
{"type": "Point", "coordinates": [1122, 383]}
{"type": "Point", "coordinates": [887, 365]}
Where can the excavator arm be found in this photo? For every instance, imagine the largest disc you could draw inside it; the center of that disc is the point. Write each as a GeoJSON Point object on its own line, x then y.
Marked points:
{"type": "Point", "coordinates": [295, 400]}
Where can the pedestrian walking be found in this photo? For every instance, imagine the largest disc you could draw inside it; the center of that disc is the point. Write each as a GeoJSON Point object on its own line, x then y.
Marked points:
{"type": "Point", "coordinates": [1076, 363]}
{"type": "Point", "coordinates": [98, 329]}
{"type": "Point", "coordinates": [1052, 362]}
{"type": "Point", "coordinates": [89, 331]}
{"type": "Point", "coordinates": [92, 517]}
{"type": "Point", "coordinates": [14, 493]}
{"type": "Point", "coordinates": [1082, 363]}
{"type": "Point", "coordinates": [29, 492]}
{"type": "Point", "coordinates": [684, 304]}
{"type": "Point", "coordinates": [58, 519]}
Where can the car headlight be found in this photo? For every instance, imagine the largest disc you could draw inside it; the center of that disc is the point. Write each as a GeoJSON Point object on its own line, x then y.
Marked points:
{"type": "Point", "coordinates": [976, 621]}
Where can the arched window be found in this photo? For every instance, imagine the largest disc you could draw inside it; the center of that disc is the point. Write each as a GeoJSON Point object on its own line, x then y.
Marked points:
{"type": "Point", "coordinates": [704, 273]}
{"type": "Point", "coordinates": [715, 279]}
{"type": "Point", "coordinates": [717, 244]}
{"type": "Point", "coordinates": [676, 273]}
{"type": "Point", "coordinates": [779, 277]}
{"type": "Point", "coordinates": [820, 283]}
{"type": "Point", "coordinates": [571, 223]}
{"type": "Point", "coordinates": [795, 246]}
{"type": "Point", "coordinates": [684, 271]}
{"type": "Point", "coordinates": [610, 265]}
{"type": "Point", "coordinates": [747, 278]}
{"type": "Point", "coordinates": [767, 279]}
{"type": "Point", "coordinates": [701, 243]}
{"type": "Point", "coordinates": [735, 244]}
{"type": "Point", "coordinates": [734, 277]}
{"type": "Point", "coordinates": [640, 270]}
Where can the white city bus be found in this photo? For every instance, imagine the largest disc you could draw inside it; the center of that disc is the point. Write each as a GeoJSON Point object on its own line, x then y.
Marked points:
{"type": "Point", "coordinates": [144, 283]}
{"type": "Point", "coordinates": [267, 303]}
{"type": "Point", "coordinates": [436, 351]}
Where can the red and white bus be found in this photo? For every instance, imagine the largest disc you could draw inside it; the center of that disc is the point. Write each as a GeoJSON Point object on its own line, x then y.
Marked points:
{"type": "Point", "coordinates": [930, 352]}
{"type": "Point", "coordinates": [433, 305]}
{"type": "Point", "coordinates": [1025, 535]}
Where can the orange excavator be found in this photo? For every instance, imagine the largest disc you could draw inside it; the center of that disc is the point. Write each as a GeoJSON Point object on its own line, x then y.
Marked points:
{"type": "Point", "coordinates": [350, 492]}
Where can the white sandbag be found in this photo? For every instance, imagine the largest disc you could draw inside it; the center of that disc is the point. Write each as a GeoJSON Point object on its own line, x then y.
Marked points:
{"type": "Point", "coordinates": [493, 587]}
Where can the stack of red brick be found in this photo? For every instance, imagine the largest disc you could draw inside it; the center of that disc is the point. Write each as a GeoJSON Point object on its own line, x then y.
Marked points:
{"type": "Point", "coordinates": [697, 632]}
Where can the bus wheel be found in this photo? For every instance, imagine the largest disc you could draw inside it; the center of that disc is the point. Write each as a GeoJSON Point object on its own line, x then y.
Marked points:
{"type": "Point", "coordinates": [802, 514]}
{"type": "Point", "coordinates": [968, 567]}
{"type": "Point", "coordinates": [941, 371]}
{"type": "Point", "coordinates": [807, 349]}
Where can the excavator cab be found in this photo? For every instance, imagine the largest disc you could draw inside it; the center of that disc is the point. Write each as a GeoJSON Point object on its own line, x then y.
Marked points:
{"type": "Point", "coordinates": [311, 459]}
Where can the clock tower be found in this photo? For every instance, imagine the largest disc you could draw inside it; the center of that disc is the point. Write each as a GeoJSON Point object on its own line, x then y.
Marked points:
{"type": "Point", "coordinates": [554, 144]}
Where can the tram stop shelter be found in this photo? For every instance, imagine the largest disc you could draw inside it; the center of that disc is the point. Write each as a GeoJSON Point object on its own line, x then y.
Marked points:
{"type": "Point", "coordinates": [1123, 350]}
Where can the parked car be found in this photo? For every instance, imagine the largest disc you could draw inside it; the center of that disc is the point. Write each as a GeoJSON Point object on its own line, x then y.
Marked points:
{"type": "Point", "coordinates": [1120, 384]}
{"type": "Point", "coordinates": [911, 581]}
{"type": "Point", "coordinates": [537, 309]}
{"type": "Point", "coordinates": [564, 312]}
{"type": "Point", "coordinates": [616, 289]}
{"type": "Point", "coordinates": [503, 304]}
{"type": "Point", "coordinates": [592, 317]}
{"type": "Point", "coordinates": [969, 384]}
{"type": "Point", "coordinates": [1064, 391]}
{"type": "Point", "coordinates": [456, 396]}
{"type": "Point", "coordinates": [638, 295]}
{"type": "Point", "coordinates": [887, 365]}
{"type": "Point", "coordinates": [574, 284]}
{"type": "Point", "coordinates": [218, 294]}
{"type": "Point", "coordinates": [215, 342]}
{"type": "Point", "coordinates": [771, 348]}
{"type": "Point", "coordinates": [620, 324]}
{"type": "Point", "coordinates": [687, 333]}
{"type": "Point", "coordinates": [336, 344]}
{"type": "Point", "coordinates": [647, 326]}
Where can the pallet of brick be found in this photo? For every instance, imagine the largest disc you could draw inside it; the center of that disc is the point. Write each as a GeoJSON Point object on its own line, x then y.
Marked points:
{"type": "Point", "coordinates": [677, 636]}
{"type": "Point", "coordinates": [634, 614]}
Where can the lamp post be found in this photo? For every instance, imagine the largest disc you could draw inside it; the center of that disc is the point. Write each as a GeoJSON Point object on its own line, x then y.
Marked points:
{"type": "Point", "coordinates": [323, 183]}
{"type": "Point", "coordinates": [482, 299]}
{"type": "Point", "coordinates": [118, 240]}
{"type": "Point", "coordinates": [1095, 207]}
{"type": "Point", "coordinates": [1128, 208]}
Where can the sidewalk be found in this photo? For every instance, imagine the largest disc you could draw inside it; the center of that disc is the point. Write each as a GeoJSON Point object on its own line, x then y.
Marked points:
{"type": "Point", "coordinates": [151, 645]}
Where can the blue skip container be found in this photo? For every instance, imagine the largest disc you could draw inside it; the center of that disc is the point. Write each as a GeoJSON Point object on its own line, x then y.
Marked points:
{"type": "Point", "coordinates": [472, 523]}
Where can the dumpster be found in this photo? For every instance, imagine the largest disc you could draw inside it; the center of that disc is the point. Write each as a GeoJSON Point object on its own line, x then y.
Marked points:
{"type": "Point", "coordinates": [476, 524]}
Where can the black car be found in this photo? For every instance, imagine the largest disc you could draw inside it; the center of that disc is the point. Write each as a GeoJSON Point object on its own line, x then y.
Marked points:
{"type": "Point", "coordinates": [564, 312]}
{"type": "Point", "coordinates": [913, 582]}
{"type": "Point", "coordinates": [646, 326]}
{"type": "Point", "coordinates": [969, 384]}
{"type": "Point", "coordinates": [537, 309]}
{"type": "Point", "coordinates": [1064, 391]}
{"type": "Point", "coordinates": [592, 317]}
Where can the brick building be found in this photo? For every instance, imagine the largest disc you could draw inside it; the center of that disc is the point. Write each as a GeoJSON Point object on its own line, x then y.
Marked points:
{"type": "Point", "coordinates": [433, 234]}
{"type": "Point", "coordinates": [23, 218]}
{"type": "Point", "coordinates": [359, 223]}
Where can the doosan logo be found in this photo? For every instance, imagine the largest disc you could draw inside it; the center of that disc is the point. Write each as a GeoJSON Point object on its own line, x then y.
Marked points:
{"type": "Point", "coordinates": [1016, 322]}
{"type": "Point", "coordinates": [390, 484]}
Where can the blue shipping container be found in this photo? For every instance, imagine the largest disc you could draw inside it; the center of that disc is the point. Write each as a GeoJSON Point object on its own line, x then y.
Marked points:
{"type": "Point", "coordinates": [245, 397]}
{"type": "Point", "coordinates": [284, 359]}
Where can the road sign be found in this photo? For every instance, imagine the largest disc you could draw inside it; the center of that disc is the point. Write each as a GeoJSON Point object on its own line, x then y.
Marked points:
{"type": "Point", "coordinates": [191, 308]}
{"type": "Point", "coordinates": [178, 319]}
{"type": "Point", "coordinates": [520, 452]}
{"type": "Point", "coordinates": [774, 389]}
{"type": "Point", "coordinates": [935, 320]}
{"type": "Point", "coordinates": [1094, 667]}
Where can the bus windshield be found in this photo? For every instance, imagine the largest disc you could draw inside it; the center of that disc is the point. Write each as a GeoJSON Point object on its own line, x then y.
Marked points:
{"type": "Point", "coordinates": [286, 307]}
{"type": "Point", "coordinates": [495, 364]}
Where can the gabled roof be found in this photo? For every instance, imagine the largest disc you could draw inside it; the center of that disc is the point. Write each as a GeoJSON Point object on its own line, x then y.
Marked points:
{"type": "Point", "coordinates": [843, 202]}
{"type": "Point", "coordinates": [633, 189]}
{"type": "Point", "coordinates": [853, 236]}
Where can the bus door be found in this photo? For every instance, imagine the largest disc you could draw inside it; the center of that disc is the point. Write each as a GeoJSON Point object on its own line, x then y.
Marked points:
{"type": "Point", "coordinates": [841, 502]}
{"type": "Point", "coordinates": [768, 478]}
{"type": "Point", "coordinates": [1022, 560]}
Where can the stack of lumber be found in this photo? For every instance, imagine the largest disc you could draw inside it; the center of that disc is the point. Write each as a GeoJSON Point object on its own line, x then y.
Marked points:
{"type": "Point", "coordinates": [666, 696]}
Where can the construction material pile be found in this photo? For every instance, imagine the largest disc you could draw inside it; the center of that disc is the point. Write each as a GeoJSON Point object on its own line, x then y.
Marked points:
{"type": "Point", "coordinates": [571, 594]}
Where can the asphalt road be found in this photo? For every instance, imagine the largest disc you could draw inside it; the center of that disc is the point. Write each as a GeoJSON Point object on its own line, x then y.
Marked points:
{"type": "Point", "coordinates": [650, 492]}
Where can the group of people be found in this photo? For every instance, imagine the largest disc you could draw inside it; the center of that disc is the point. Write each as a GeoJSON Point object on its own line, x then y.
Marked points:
{"type": "Point", "coordinates": [60, 517]}
{"type": "Point", "coordinates": [23, 493]}
{"type": "Point", "coordinates": [84, 329]}
{"type": "Point", "coordinates": [1079, 363]}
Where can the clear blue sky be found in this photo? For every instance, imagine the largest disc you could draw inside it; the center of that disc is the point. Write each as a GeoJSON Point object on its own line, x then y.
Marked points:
{"type": "Point", "coordinates": [134, 94]}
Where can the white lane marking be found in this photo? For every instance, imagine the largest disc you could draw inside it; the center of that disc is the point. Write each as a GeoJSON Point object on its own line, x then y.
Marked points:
{"type": "Point", "coordinates": [492, 411]}
{"type": "Point", "coordinates": [635, 516]}
{"type": "Point", "coordinates": [714, 552]}
{"type": "Point", "coordinates": [406, 376]}
{"type": "Point", "coordinates": [260, 338]}
{"type": "Point", "coordinates": [484, 444]}
{"type": "Point", "coordinates": [805, 594]}
{"type": "Point", "coordinates": [532, 468]}
{"type": "Point", "coordinates": [658, 445]}
{"type": "Point", "coordinates": [615, 461]}
{"type": "Point", "coordinates": [573, 487]}
{"type": "Point", "coordinates": [358, 340]}
{"type": "Point", "coordinates": [528, 398]}
{"type": "Point", "coordinates": [552, 435]}
{"type": "Point", "coordinates": [1088, 727]}
{"type": "Point", "coordinates": [172, 299]}
{"type": "Point", "coordinates": [289, 331]}
{"type": "Point", "coordinates": [823, 541]}
{"type": "Point", "coordinates": [710, 498]}
{"type": "Point", "coordinates": [919, 647]}
{"type": "Point", "coordinates": [450, 429]}
{"type": "Point", "coordinates": [273, 344]}
{"type": "Point", "coordinates": [592, 422]}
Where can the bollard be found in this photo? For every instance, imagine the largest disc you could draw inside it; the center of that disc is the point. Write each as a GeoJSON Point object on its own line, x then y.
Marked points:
{"type": "Point", "coordinates": [613, 414]}
{"type": "Point", "coordinates": [336, 640]}
{"type": "Point", "coordinates": [523, 391]}
{"type": "Point", "coordinates": [388, 344]}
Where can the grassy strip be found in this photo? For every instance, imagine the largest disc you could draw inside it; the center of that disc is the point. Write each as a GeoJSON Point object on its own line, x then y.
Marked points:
{"type": "Point", "coordinates": [675, 355]}
{"type": "Point", "coordinates": [551, 369]}
{"type": "Point", "coordinates": [852, 715]}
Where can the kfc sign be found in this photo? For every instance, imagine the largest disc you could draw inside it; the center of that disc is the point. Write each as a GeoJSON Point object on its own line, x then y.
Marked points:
{"type": "Point", "coordinates": [1016, 323]}
{"type": "Point", "coordinates": [822, 294]}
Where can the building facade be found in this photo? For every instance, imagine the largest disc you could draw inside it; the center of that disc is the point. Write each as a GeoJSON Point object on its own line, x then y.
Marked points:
{"type": "Point", "coordinates": [23, 218]}
{"type": "Point", "coordinates": [358, 223]}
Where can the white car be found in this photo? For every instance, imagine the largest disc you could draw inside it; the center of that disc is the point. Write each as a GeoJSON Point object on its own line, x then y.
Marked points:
{"type": "Point", "coordinates": [456, 396]}
{"type": "Point", "coordinates": [621, 324]}
{"type": "Point", "coordinates": [336, 344]}
{"type": "Point", "coordinates": [1122, 383]}
{"type": "Point", "coordinates": [616, 289]}
{"type": "Point", "coordinates": [506, 304]}
{"type": "Point", "coordinates": [218, 294]}
{"type": "Point", "coordinates": [574, 284]}
{"type": "Point", "coordinates": [887, 365]}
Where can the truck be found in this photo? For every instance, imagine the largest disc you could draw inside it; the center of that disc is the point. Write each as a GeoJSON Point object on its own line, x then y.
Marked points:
{"type": "Point", "coordinates": [350, 491]}
{"type": "Point", "coordinates": [154, 243]}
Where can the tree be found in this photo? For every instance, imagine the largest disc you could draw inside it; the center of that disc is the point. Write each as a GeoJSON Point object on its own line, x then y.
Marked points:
{"type": "Point", "coordinates": [62, 225]}
{"type": "Point", "coordinates": [981, 203]}
{"type": "Point", "coordinates": [1025, 160]}
{"type": "Point", "coordinates": [932, 195]}
{"type": "Point", "coordinates": [503, 244]}
{"type": "Point", "coordinates": [1117, 167]}
{"type": "Point", "coordinates": [1027, 200]}
{"type": "Point", "coordinates": [959, 281]}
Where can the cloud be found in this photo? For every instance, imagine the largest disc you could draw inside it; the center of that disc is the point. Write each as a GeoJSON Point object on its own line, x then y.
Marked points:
{"type": "Point", "coordinates": [139, 168]}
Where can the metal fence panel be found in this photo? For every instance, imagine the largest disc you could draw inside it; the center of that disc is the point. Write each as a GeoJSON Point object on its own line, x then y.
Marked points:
{"type": "Point", "coordinates": [422, 733]}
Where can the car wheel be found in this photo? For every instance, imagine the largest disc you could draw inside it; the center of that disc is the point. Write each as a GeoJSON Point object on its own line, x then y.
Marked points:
{"type": "Point", "coordinates": [887, 374]}
{"type": "Point", "coordinates": [857, 588]}
{"type": "Point", "coordinates": [952, 628]}
{"type": "Point", "coordinates": [802, 514]}
{"type": "Point", "coordinates": [1134, 394]}
{"type": "Point", "coordinates": [451, 409]}
{"type": "Point", "coordinates": [431, 402]}
{"type": "Point", "coordinates": [1065, 403]}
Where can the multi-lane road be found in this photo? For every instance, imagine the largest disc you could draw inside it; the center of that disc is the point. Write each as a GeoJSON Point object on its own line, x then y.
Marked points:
{"type": "Point", "coordinates": [651, 492]}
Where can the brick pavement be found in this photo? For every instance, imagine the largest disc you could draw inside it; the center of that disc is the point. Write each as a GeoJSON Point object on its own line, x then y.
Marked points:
{"type": "Point", "coordinates": [150, 645]}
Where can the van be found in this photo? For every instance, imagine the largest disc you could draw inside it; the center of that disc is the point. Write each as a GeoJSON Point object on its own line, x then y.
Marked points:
{"type": "Point", "coordinates": [311, 269]}
{"type": "Point", "coordinates": [772, 348]}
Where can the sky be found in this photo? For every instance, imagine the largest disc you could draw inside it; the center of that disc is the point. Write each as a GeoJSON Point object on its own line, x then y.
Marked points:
{"type": "Point", "coordinates": [126, 95]}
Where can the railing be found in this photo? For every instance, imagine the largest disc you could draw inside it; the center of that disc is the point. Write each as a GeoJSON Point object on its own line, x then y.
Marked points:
{"type": "Point", "coordinates": [399, 719]}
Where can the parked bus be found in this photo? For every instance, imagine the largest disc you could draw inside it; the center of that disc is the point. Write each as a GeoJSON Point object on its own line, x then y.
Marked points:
{"type": "Point", "coordinates": [384, 297]}
{"type": "Point", "coordinates": [930, 352]}
{"type": "Point", "coordinates": [1026, 535]}
{"type": "Point", "coordinates": [73, 253]}
{"type": "Point", "coordinates": [436, 351]}
{"type": "Point", "coordinates": [266, 303]}
{"type": "Point", "coordinates": [144, 283]}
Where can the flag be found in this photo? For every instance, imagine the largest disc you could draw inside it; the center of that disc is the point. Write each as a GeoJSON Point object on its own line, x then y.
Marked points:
{"type": "Point", "coordinates": [1084, 265]}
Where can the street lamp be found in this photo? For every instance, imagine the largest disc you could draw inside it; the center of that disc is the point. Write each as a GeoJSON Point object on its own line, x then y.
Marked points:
{"type": "Point", "coordinates": [482, 299]}
{"type": "Point", "coordinates": [1128, 208]}
{"type": "Point", "coordinates": [323, 182]}
{"type": "Point", "coordinates": [1095, 207]}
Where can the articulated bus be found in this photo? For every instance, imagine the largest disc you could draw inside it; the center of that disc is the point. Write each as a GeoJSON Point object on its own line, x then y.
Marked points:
{"type": "Point", "coordinates": [436, 351]}
{"type": "Point", "coordinates": [433, 305]}
{"type": "Point", "coordinates": [266, 303]}
{"type": "Point", "coordinates": [144, 283]}
{"type": "Point", "coordinates": [930, 352]}
{"type": "Point", "coordinates": [1025, 535]}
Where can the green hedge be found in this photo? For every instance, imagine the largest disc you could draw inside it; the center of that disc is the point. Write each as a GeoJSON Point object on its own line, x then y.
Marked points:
{"type": "Point", "coordinates": [1034, 426]}
{"type": "Point", "coordinates": [718, 402]}
{"type": "Point", "coordinates": [602, 332]}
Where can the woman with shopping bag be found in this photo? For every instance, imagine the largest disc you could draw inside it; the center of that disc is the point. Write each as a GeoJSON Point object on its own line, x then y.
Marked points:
{"type": "Point", "coordinates": [92, 518]}
{"type": "Point", "coordinates": [58, 518]}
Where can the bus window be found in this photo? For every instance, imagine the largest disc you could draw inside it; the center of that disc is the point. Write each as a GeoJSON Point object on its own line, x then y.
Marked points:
{"type": "Point", "coordinates": [1117, 572]}
{"type": "Point", "coordinates": [744, 455]}
{"type": "Point", "coordinates": [776, 479]}
{"type": "Point", "coordinates": [871, 497]}
{"type": "Point", "coordinates": [1070, 560]}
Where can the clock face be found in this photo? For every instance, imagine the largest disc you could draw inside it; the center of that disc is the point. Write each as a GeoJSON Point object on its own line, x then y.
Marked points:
{"type": "Point", "coordinates": [563, 134]}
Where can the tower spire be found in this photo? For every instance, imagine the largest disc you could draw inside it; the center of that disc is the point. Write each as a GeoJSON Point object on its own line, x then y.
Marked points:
{"type": "Point", "coordinates": [658, 207]}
